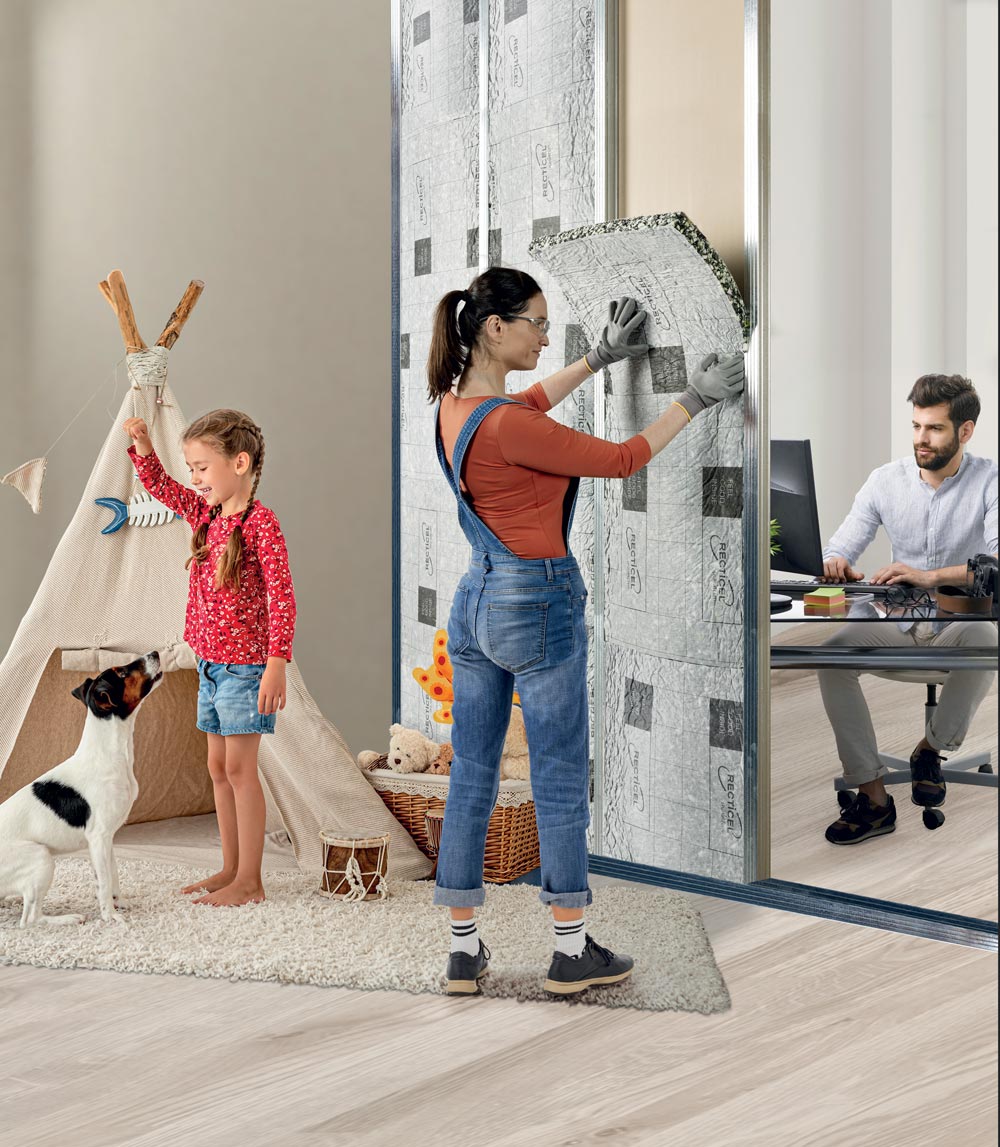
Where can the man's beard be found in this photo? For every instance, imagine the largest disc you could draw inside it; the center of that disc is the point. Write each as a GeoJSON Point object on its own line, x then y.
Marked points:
{"type": "Point", "coordinates": [939, 458]}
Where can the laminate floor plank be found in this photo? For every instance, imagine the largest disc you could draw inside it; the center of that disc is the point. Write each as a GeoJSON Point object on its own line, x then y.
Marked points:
{"type": "Point", "coordinates": [615, 1065]}
{"type": "Point", "coordinates": [950, 869]}
{"type": "Point", "coordinates": [208, 1061]}
{"type": "Point", "coordinates": [837, 1034]}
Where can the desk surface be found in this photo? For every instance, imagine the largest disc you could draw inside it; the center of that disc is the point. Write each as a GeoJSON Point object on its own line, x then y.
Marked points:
{"type": "Point", "coordinates": [875, 659]}
{"type": "Point", "coordinates": [873, 608]}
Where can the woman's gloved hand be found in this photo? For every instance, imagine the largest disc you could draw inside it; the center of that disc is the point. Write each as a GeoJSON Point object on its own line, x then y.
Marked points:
{"type": "Point", "coordinates": [625, 317]}
{"type": "Point", "coordinates": [713, 380]}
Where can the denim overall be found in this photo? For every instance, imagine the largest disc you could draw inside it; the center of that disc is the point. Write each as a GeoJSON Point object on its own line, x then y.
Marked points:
{"type": "Point", "coordinates": [515, 622]}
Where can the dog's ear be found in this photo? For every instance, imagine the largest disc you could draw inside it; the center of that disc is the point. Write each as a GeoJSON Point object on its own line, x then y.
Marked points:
{"type": "Point", "coordinates": [80, 692]}
{"type": "Point", "coordinates": [102, 699]}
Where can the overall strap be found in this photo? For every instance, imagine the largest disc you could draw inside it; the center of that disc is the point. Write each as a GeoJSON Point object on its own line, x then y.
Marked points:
{"type": "Point", "coordinates": [454, 472]}
{"type": "Point", "coordinates": [477, 533]}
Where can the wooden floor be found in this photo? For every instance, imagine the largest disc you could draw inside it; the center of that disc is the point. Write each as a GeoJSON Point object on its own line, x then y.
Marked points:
{"type": "Point", "coordinates": [950, 869]}
{"type": "Point", "coordinates": [837, 1036]}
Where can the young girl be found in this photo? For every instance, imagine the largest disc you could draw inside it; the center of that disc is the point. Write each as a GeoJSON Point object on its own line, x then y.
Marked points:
{"type": "Point", "coordinates": [240, 623]}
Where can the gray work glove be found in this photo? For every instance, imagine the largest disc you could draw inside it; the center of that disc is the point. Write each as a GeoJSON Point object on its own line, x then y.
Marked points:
{"type": "Point", "coordinates": [713, 380]}
{"type": "Point", "coordinates": [625, 317]}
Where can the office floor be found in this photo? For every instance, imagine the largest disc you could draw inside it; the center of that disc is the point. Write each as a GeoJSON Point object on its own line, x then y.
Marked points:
{"type": "Point", "coordinates": [837, 1034]}
{"type": "Point", "coordinates": [950, 869]}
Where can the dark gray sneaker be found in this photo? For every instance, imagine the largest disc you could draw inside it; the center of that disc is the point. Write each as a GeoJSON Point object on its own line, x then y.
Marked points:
{"type": "Point", "coordinates": [927, 785]}
{"type": "Point", "coordinates": [862, 820]}
{"type": "Point", "coordinates": [465, 971]}
{"type": "Point", "coordinates": [597, 965]}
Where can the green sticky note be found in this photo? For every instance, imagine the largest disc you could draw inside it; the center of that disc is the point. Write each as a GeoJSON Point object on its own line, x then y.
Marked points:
{"type": "Point", "coordinates": [822, 597]}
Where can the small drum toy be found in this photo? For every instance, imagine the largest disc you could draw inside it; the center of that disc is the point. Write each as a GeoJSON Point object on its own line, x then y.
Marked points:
{"type": "Point", "coordinates": [433, 823]}
{"type": "Point", "coordinates": [354, 867]}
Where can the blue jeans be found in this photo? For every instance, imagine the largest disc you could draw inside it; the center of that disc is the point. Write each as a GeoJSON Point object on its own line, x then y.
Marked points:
{"type": "Point", "coordinates": [227, 699]}
{"type": "Point", "coordinates": [515, 621]}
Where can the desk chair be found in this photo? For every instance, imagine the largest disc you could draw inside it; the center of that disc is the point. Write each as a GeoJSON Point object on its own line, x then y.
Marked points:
{"type": "Point", "coordinates": [958, 769]}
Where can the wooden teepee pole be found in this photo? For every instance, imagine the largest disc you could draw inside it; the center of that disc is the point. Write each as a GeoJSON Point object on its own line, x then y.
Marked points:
{"type": "Point", "coordinates": [172, 331]}
{"type": "Point", "coordinates": [114, 291]}
{"type": "Point", "coordinates": [106, 292]}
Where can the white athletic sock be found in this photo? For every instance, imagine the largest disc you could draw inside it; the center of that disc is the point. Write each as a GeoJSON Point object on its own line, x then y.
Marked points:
{"type": "Point", "coordinates": [464, 937]}
{"type": "Point", "coordinates": [570, 937]}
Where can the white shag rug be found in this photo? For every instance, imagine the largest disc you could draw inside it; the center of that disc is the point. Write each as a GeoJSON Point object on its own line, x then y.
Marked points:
{"type": "Point", "coordinates": [400, 944]}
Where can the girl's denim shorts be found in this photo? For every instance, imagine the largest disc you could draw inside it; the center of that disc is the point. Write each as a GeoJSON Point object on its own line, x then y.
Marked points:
{"type": "Point", "coordinates": [227, 699]}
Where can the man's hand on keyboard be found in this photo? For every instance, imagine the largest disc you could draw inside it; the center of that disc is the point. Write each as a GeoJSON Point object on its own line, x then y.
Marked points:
{"type": "Point", "coordinates": [899, 574]}
{"type": "Point", "coordinates": [839, 569]}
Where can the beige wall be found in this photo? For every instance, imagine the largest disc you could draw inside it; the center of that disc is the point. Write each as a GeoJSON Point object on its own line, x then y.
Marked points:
{"type": "Point", "coordinates": [245, 143]}
{"type": "Point", "coordinates": [15, 286]}
{"type": "Point", "coordinates": [681, 116]}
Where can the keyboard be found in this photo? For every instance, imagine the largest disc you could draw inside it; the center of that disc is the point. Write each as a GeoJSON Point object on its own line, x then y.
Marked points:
{"type": "Point", "coordinates": [802, 585]}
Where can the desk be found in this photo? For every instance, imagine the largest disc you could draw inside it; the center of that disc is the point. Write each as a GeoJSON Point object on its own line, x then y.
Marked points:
{"type": "Point", "coordinates": [878, 660]}
{"type": "Point", "coordinates": [875, 609]}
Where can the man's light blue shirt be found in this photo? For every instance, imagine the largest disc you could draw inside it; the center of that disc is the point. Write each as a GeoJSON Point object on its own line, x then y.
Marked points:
{"type": "Point", "coordinates": [928, 528]}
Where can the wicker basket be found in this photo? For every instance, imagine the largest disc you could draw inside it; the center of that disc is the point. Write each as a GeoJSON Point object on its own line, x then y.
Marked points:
{"type": "Point", "coordinates": [512, 836]}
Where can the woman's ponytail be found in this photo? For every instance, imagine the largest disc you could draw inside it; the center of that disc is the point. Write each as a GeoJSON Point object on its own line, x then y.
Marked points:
{"type": "Point", "coordinates": [447, 355]}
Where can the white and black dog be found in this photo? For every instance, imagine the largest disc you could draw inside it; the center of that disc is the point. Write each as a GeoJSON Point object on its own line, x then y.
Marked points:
{"type": "Point", "coordinates": [83, 801]}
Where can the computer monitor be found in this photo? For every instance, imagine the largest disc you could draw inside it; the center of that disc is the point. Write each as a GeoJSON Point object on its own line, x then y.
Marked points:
{"type": "Point", "coordinates": [793, 505]}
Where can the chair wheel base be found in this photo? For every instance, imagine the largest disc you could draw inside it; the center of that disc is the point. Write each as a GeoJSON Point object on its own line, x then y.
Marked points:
{"type": "Point", "coordinates": [985, 769]}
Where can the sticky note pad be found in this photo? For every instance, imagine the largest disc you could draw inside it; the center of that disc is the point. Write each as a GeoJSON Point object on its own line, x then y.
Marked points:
{"type": "Point", "coordinates": [828, 595]}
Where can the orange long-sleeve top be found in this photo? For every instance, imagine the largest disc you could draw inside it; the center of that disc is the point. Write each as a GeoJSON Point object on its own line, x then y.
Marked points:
{"type": "Point", "coordinates": [519, 463]}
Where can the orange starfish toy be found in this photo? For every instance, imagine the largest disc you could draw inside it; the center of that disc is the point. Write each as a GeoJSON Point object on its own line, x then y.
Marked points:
{"type": "Point", "coordinates": [436, 681]}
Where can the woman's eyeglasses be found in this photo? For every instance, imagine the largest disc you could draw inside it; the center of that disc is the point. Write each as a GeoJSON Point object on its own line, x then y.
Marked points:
{"type": "Point", "coordinates": [543, 326]}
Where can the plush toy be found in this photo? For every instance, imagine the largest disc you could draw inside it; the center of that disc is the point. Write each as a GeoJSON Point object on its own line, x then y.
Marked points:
{"type": "Point", "coordinates": [409, 752]}
{"type": "Point", "coordinates": [441, 766]}
{"type": "Point", "coordinates": [437, 680]}
{"type": "Point", "coordinates": [514, 765]}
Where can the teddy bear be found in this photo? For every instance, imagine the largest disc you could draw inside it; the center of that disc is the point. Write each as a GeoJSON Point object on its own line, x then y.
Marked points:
{"type": "Point", "coordinates": [442, 766]}
{"type": "Point", "coordinates": [514, 764]}
{"type": "Point", "coordinates": [409, 752]}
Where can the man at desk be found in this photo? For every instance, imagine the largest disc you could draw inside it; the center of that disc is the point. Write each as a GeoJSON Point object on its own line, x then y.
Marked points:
{"type": "Point", "coordinates": [939, 509]}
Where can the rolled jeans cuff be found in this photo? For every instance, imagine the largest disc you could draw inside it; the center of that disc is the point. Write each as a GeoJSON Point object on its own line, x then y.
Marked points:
{"type": "Point", "coordinates": [567, 899]}
{"type": "Point", "coordinates": [939, 745]}
{"type": "Point", "coordinates": [865, 776]}
{"type": "Point", "coordinates": [459, 897]}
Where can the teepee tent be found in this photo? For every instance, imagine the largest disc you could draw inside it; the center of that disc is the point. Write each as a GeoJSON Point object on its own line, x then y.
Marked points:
{"type": "Point", "coordinates": [108, 596]}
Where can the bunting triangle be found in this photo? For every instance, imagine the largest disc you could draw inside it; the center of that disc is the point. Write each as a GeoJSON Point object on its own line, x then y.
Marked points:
{"type": "Point", "coordinates": [28, 479]}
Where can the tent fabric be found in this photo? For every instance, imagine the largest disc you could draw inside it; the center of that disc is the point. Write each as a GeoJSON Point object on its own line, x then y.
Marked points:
{"type": "Point", "coordinates": [126, 592]}
{"type": "Point", "coordinates": [94, 661]}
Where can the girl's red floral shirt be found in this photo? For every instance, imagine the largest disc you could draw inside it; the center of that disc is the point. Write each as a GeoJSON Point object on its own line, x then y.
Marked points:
{"type": "Point", "coordinates": [244, 626]}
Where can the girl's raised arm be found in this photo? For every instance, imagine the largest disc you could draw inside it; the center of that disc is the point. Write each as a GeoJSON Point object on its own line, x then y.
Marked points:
{"type": "Point", "coordinates": [156, 480]}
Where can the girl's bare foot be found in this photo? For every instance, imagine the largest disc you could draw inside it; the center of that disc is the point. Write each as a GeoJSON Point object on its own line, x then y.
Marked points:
{"type": "Point", "coordinates": [210, 883]}
{"type": "Point", "coordinates": [233, 895]}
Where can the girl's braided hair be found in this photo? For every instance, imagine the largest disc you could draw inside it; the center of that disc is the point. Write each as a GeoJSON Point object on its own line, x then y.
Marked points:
{"type": "Point", "coordinates": [231, 432]}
